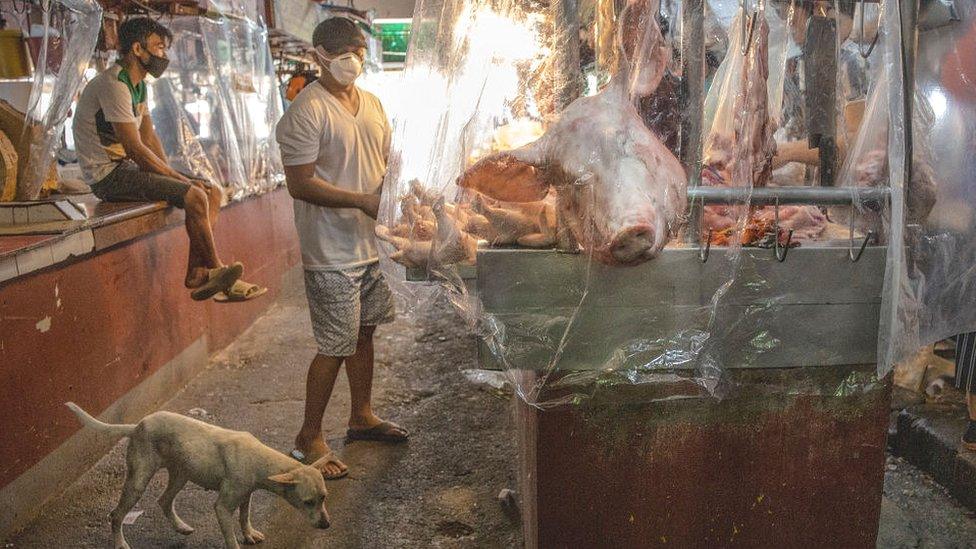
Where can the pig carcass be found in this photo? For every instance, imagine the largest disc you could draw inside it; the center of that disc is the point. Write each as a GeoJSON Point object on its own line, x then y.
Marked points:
{"type": "Point", "coordinates": [619, 191]}
{"type": "Point", "coordinates": [870, 169]}
{"type": "Point", "coordinates": [740, 146]}
{"type": "Point", "coordinates": [743, 154]}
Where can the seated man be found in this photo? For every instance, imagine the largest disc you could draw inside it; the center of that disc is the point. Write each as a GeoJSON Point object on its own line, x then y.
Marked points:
{"type": "Point", "coordinates": [123, 160]}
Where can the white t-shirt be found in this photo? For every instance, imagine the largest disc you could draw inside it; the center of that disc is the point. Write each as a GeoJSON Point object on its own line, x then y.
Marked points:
{"type": "Point", "coordinates": [350, 152]}
{"type": "Point", "coordinates": [107, 98]}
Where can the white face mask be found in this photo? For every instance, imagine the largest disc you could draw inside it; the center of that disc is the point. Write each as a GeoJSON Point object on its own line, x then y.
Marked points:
{"type": "Point", "coordinates": [345, 69]}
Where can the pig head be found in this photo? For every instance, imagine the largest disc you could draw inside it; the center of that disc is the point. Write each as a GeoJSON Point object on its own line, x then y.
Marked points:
{"type": "Point", "coordinates": [620, 191]}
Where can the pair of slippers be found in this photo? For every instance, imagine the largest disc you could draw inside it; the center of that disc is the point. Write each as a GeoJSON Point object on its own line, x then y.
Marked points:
{"type": "Point", "coordinates": [384, 432]}
{"type": "Point", "coordinates": [224, 286]}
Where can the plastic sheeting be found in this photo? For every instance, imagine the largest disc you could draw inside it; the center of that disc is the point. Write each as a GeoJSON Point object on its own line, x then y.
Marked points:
{"type": "Point", "coordinates": [933, 271]}
{"type": "Point", "coordinates": [216, 105]}
{"type": "Point", "coordinates": [70, 33]}
{"type": "Point", "coordinates": [506, 165]}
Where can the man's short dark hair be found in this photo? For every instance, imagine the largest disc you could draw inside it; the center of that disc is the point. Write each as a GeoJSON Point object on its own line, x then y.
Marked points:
{"type": "Point", "coordinates": [336, 34]}
{"type": "Point", "coordinates": [138, 30]}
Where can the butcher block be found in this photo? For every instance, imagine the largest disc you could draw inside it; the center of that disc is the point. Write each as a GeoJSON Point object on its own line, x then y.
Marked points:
{"type": "Point", "coordinates": [783, 446]}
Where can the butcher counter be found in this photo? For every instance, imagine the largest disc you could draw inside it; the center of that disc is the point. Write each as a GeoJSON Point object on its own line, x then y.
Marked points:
{"type": "Point", "coordinates": [782, 446]}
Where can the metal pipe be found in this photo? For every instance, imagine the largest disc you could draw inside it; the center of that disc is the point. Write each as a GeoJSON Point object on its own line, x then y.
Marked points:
{"type": "Point", "coordinates": [821, 196]}
{"type": "Point", "coordinates": [692, 96]}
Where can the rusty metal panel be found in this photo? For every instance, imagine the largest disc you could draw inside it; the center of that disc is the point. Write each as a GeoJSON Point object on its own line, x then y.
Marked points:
{"type": "Point", "coordinates": [761, 468]}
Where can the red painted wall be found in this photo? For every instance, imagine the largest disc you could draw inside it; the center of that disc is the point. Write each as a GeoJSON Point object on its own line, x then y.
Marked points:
{"type": "Point", "coordinates": [116, 317]}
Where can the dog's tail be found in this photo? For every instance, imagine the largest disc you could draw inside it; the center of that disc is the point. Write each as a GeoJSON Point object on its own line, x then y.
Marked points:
{"type": "Point", "coordinates": [120, 430]}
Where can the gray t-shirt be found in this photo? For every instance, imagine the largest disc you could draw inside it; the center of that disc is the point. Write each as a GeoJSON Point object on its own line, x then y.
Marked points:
{"type": "Point", "coordinates": [350, 152]}
{"type": "Point", "coordinates": [109, 97]}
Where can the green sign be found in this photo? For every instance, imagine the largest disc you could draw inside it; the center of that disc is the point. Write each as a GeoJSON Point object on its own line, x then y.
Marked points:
{"type": "Point", "coordinates": [395, 35]}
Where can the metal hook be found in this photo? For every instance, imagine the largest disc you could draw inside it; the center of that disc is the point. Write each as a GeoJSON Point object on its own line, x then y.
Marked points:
{"type": "Point", "coordinates": [854, 257]}
{"type": "Point", "coordinates": [780, 255]}
{"type": "Point", "coordinates": [703, 250]}
{"type": "Point", "coordinates": [874, 42]}
{"type": "Point", "coordinates": [864, 244]}
{"type": "Point", "coordinates": [747, 40]}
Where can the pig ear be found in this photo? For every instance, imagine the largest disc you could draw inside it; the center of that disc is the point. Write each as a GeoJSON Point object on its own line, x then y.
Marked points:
{"type": "Point", "coordinates": [283, 478]}
{"type": "Point", "coordinates": [504, 177]}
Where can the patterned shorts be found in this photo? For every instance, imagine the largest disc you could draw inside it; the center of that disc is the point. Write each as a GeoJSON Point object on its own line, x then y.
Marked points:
{"type": "Point", "coordinates": [340, 302]}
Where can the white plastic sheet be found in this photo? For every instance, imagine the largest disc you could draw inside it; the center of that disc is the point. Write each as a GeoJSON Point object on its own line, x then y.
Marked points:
{"type": "Point", "coordinates": [216, 105]}
{"type": "Point", "coordinates": [508, 155]}
{"type": "Point", "coordinates": [70, 32]}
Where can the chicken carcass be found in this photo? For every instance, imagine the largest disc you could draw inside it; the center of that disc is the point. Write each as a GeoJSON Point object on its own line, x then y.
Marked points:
{"type": "Point", "coordinates": [449, 244]}
{"type": "Point", "coordinates": [620, 191]}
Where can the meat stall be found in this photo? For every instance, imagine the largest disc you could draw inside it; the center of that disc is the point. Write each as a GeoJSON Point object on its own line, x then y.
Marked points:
{"type": "Point", "coordinates": [698, 343]}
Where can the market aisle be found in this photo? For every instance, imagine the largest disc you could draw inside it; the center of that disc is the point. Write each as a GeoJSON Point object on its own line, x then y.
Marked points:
{"type": "Point", "coordinates": [438, 491]}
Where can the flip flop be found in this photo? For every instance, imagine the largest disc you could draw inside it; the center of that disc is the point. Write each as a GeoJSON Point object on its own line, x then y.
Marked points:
{"type": "Point", "coordinates": [380, 433]}
{"type": "Point", "coordinates": [302, 458]}
{"type": "Point", "coordinates": [240, 291]}
{"type": "Point", "coordinates": [218, 280]}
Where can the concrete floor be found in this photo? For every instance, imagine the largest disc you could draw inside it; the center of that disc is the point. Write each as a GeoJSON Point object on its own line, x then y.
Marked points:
{"type": "Point", "coordinates": [439, 490]}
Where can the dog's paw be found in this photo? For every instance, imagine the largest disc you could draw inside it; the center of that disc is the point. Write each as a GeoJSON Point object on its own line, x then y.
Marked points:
{"type": "Point", "coordinates": [253, 537]}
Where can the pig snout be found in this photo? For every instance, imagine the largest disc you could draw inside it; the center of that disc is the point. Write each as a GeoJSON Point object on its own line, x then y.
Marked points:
{"type": "Point", "coordinates": [633, 245]}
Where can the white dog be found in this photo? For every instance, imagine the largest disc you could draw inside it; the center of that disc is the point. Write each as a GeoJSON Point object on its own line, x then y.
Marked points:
{"type": "Point", "coordinates": [233, 463]}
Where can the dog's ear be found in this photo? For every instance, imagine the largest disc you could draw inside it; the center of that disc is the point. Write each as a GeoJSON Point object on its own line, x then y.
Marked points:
{"type": "Point", "coordinates": [283, 478]}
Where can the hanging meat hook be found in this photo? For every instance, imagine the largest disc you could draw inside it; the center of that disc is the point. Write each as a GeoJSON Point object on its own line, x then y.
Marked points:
{"type": "Point", "coordinates": [855, 256]}
{"type": "Point", "coordinates": [780, 251]}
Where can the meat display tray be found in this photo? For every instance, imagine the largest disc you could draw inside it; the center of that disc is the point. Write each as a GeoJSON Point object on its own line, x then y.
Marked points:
{"type": "Point", "coordinates": [818, 308]}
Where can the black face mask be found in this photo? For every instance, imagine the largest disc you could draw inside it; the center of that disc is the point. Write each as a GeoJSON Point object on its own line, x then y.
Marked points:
{"type": "Point", "coordinates": [156, 65]}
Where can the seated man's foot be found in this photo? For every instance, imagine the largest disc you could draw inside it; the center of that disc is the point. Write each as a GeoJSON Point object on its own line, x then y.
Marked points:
{"type": "Point", "coordinates": [316, 452]}
{"type": "Point", "coordinates": [969, 438]}
{"type": "Point", "coordinates": [374, 428]}
{"type": "Point", "coordinates": [218, 280]}
{"type": "Point", "coordinates": [196, 277]}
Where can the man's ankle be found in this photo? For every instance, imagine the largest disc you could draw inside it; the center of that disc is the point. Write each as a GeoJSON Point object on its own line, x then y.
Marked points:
{"type": "Point", "coordinates": [307, 437]}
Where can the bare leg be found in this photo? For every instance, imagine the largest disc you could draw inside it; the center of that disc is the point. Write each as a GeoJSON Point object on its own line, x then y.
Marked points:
{"type": "Point", "coordinates": [318, 389]}
{"type": "Point", "coordinates": [251, 536]}
{"type": "Point", "coordinates": [359, 368]}
{"type": "Point", "coordinates": [166, 502]}
{"type": "Point", "coordinates": [203, 251]}
{"type": "Point", "coordinates": [224, 508]}
{"type": "Point", "coordinates": [215, 196]}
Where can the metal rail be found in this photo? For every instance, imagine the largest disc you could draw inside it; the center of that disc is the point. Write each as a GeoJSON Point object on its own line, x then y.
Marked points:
{"type": "Point", "coordinates": [768, 196]}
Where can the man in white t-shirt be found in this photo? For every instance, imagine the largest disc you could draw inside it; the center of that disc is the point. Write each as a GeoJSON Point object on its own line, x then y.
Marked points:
{"type": "Point", "coordinates": [334, 141]}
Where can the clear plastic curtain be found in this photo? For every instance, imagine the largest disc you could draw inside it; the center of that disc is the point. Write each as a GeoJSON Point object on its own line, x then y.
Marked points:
{"type": "Point", "coordinates": [932, 259]}
{"type": "Point", "coordinates": [70, 32]}
{"type": "Point", "coordinates": [216, 106]}
{"type": "Point", "coordinates": [564, 194]}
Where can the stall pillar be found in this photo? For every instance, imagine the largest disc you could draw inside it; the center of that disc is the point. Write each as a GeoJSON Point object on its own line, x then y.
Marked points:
{"type": "Point", "coordinates": [789, 458]}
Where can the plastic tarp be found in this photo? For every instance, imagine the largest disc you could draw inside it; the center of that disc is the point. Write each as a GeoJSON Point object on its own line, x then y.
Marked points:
{"type": "Point", "coordinates": [932, 268]}
{"type": "Point", "coordinates": [70, 32]}
{"type": "Point", "coordinates": [216, 105]}
{"type": "Point", "coordinates": [571, 210]}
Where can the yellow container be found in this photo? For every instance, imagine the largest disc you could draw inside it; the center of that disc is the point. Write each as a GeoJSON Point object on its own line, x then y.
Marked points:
{"type": "Point", "coordinates": [13, 55]}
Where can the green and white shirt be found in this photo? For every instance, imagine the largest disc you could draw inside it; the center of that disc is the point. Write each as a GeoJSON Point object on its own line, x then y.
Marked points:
{"type": "Point", "coordinates": [109, 97]}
